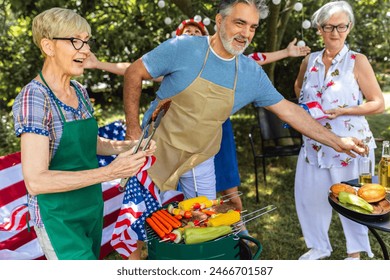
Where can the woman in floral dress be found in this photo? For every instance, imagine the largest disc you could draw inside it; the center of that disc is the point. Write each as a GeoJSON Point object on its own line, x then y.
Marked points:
{"type": "Point", "coordinates": [343, 83]}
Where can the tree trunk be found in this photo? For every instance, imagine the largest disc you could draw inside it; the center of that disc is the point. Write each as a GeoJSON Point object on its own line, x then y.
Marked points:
{"type": "Point", "coordinates": [276, 27]}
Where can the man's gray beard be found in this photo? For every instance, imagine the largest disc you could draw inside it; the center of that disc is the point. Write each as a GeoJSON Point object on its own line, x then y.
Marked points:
{"type": "Point", "coordinates": [227, 44]}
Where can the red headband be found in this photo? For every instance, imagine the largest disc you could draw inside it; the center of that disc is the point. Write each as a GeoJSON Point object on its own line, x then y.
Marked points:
{"type": "Point", "coordinates": [191, 21]}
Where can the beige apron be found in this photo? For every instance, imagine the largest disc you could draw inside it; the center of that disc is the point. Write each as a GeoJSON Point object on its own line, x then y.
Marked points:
{"type": "Point", "coordinates": [191, 130]}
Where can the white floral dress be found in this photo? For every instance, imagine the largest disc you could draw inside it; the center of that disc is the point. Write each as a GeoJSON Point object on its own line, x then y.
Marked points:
{"type": "Point", "coordinates": [340, 89]}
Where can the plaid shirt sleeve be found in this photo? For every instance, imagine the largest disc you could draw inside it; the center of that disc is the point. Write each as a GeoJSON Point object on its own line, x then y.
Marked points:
{"type": "Point", "coordinates": [31, 111]}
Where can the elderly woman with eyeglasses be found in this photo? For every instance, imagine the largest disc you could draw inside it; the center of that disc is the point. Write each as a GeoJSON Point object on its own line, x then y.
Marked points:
{"type": "Point", "coordinates": [53, 116]}
{"type": "Point", "coordinates": [343, 82]}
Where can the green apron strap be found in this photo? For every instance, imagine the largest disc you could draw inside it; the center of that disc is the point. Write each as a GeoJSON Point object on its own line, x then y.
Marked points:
{"type": "Point", "coordinates": [82, 98]}
{"type": "Point", "coordinates": [55, 97]}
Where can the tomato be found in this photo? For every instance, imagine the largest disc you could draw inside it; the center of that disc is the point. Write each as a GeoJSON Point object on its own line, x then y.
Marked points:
{"type": "Point", "coordinates": [187, 214]}
{"type": "Point", "coordinates": [172, 236]}
{"type": "Point", "coordinates": [196, 206]}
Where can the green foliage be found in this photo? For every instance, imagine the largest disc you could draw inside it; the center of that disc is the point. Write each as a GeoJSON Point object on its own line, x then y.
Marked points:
{"type": "Point", "coordinates": [9, 143]}
{"type": "Point", "coordinates": [125, 30]}
{"type": "Point", "coordinates": [369, 36]}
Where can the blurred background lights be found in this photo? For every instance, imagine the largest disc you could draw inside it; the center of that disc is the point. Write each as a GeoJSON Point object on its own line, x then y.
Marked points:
{"type": "Point", "coordinates": [276, 2]}
{"type": "Point", "coordinates": [161, 4]}
{"type": "Point", "coordinates": [198, 18]}
{"type": "Point", "coordinates": [167, 20]}
{"type": "Point", "coordinates": [306, 24]}
{"type": "Point", "coordinates": [298, 6]}
{"type": "Point", "coordinates": [263, 15]}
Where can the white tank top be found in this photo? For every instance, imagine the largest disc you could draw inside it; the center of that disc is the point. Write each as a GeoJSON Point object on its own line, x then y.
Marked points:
{"type": "Point", "coordinates": [336, 88]}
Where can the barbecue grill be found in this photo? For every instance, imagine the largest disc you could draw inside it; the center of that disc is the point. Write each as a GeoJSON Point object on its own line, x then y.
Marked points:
{"type": "Point", "coordinates": [233, 246]}
{"type": "Point", "coordinates": [230, 247]}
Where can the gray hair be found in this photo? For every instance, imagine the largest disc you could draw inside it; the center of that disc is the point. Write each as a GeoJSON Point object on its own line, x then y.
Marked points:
{"type": "Point", "coordinates": [226, 6]}
{"type": "Point", "coordinates": [323, 14]}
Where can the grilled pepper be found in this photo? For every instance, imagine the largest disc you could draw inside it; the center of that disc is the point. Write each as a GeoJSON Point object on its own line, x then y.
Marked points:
{"type": "Point", "coordinates": [355, 208]}
{"type": "Point", "coordinates": [202, 234]}
{"type": "Point", "coordinates": [349, 198]}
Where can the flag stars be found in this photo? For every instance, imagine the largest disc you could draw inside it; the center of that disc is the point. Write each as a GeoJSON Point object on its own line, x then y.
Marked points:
{"type": "Point", "coordinates": [102, 162]}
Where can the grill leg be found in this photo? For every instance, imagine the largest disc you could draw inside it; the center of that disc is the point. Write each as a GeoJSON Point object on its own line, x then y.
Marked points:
{"type": "Point", "coordinates": [256, 181]}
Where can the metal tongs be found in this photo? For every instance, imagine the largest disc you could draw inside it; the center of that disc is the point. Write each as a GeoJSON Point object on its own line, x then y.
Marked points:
{"type": "Point", "coordinates": [153, 122]}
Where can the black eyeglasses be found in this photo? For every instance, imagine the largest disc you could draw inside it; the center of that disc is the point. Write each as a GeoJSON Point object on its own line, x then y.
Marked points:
{"type": "Point", "coordinates": [77, 43]}
{"type": "Point", "coordinates": [341, 28]}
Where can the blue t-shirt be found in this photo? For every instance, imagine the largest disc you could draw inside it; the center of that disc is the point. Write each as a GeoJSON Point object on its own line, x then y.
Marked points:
{"type": "Point", "coordinates": [180, 60]}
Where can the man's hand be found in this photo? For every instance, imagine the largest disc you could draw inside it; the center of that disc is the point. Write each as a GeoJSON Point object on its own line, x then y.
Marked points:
{"type": "Point", "coordinates": [91, 61]}
{"type": "Point", "coordinates": [349, 144]}
{"type": "Point", "coordinates": [295, 51]}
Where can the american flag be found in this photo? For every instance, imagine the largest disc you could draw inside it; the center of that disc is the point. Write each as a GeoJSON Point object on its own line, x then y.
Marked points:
{"type": "Point", "coordinates": [140, 200]}
{"type": "Point", "coordinates": [142, 197]}
{"type": "Point", "coordinates": [16, 240]}
{"type": "Point", "coordinates": [17, 237]}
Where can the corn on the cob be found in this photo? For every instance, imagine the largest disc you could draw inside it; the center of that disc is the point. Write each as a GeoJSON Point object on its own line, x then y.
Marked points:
{"type": "Point", "coordinates": [207, 204]}
{"type": "Point", "coordinates": [188, 203]}
{"type": "Point", "coordinates": [225, 219]}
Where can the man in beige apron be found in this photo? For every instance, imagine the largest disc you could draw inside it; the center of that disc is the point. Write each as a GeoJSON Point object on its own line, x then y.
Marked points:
{"type": "Point", "coordinates": [183, 140]}
{"type": "Point", "coordinates": [207, 79]}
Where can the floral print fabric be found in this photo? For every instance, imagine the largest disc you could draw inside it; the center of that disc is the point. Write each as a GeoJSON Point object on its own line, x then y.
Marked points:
{"type": "Point", "coordinates": [336, 88]}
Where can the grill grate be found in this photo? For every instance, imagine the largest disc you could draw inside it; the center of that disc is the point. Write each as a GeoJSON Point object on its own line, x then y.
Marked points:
{"type": "Point", "coordinates": [152, 235]}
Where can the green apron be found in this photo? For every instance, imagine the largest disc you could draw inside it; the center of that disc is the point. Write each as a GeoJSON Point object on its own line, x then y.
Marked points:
{"type": "Point", "coordinates": [74, 220]}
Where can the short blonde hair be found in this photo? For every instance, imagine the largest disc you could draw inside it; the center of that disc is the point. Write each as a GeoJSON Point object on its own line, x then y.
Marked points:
{"type": "Point", "coordinates": [58, 22]}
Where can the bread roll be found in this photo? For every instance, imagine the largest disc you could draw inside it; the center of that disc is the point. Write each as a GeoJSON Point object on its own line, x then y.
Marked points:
{"type": "Point", "coordinates": [340, 187]}
{"type": "Point", "coordinates": [372, 192]}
